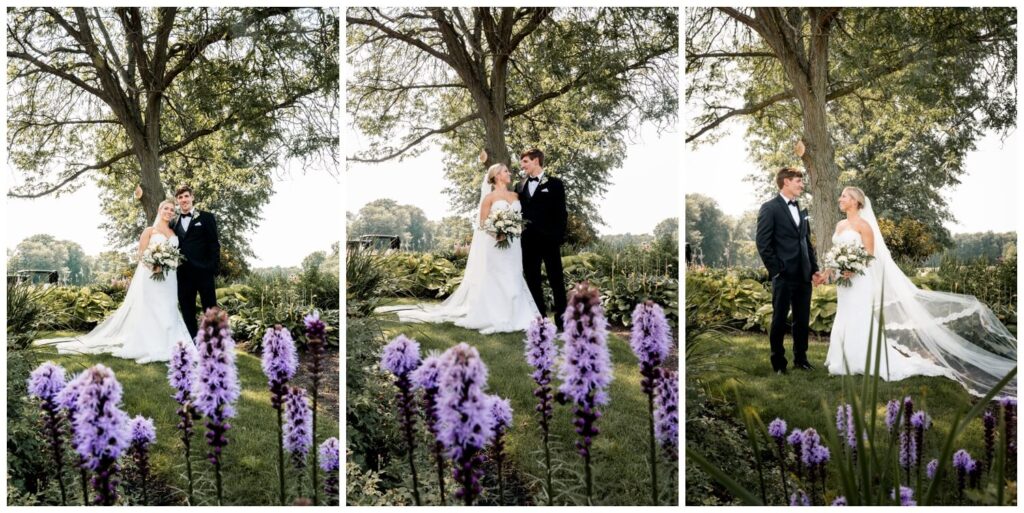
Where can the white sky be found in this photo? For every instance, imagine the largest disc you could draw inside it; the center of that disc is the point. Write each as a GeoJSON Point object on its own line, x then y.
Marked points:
{"type": "Point", "coordinates": [642, 193]}
{"type": "Point", "coordinates": [985, 200]}
{"type": "Point", "coordinates": [304, 215]}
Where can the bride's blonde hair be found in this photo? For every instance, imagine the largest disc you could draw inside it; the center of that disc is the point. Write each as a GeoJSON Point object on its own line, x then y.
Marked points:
{"type": "Point", "coordinates": [857, 194]}
{"type": "Point", "coordinates": [156, 220]}
{"type": "Point", "coordinates": [493, 171]}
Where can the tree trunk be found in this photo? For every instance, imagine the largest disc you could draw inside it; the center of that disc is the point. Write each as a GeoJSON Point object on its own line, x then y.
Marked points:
{"type": "Point", "coordinates": [149, 178]}
{"type": "Point", "coordinates": [494, 140]}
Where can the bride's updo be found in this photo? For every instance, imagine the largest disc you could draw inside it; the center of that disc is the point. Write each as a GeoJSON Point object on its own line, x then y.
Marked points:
{"type": "Point", "coordinates": [857, 194]}
{"type": "Point", "coordinates": [156, 221]}
{"type": "Point", "coordinates": [493, 171]}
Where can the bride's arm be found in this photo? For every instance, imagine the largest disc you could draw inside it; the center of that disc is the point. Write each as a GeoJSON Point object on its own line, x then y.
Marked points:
{"type": "Point", "coordinates": [144, 242]}
{"type": "Point", "coordinates": [485, 210]}
{"type": "Point", "coordinates": [868, 235]}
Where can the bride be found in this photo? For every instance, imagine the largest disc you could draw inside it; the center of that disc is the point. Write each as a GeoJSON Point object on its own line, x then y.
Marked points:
{"type": "Point", "coordinates": [927, 333]}
{"type": "Point", "coordinates": [493, 296]}
{"type": "Point", "coordinates": [148, 324]}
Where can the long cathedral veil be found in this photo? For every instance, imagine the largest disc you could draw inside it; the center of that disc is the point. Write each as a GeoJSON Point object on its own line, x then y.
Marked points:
{"type": "Point", "coordinates": [954, 331]}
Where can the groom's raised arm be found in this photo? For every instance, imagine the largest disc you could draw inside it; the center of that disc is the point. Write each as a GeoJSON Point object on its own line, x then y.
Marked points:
{"type": "Point", "coordinates": [765, 234]}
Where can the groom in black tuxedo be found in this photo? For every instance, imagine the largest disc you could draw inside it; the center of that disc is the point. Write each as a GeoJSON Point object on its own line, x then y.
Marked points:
{"type": "Point", "coordinates": [543, 201]}
{"type": "Point", "coordinates": [784, 243]}
{"type": "Point", "coordinates": [198, 242]}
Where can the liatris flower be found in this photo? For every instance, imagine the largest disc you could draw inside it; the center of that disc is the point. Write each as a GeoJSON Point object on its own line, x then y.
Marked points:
{"type": "Point", "coordinates": [280, 361]}
{"type": "Point", "coordinates": [932, 467]}
{"type": "Point", "coordinates": [892, 410]}
{"type": "Point", "coordinates": [777, 430]}
{"type": "Point", "coordinates": [840, 501]}
{"type": "Point", "coordinates": [908, 452]}
{"type": "Point", "coordinates": [1009, 405]}
{"type": "Point", "coordinates": [143, 436]}
{"type": "Point", "coordinates": [67, 400]}
{"type": "Point", "coordinates": [427, 377]}
{"type": "Point", "coordinates": [799, 498]}
{"type": "Point", "coordinates": [540, 354]}
{"type": "Point", "coordinates": [501, 411]}
{"type": "Point", "coordinates": [651, 341]}
{"type": "Point", "coordinates": [316, 338]}
{"type": "Point", "coordinates": [845, 425]}
{"type": "Point", "coordinates": [964, 465]}
{"type": "Point", "coordinates": [102, 430]}
{"type": "Point", "coordinates": [298, 434]}
{"type": "Point", "coordinates": [586, 367]}
{"type": "Point", "coordinates": [401, 357]}
{"type": "Point", "coordinates": [906, 496]}
{"type": "Point", "coordinates": [796, 440]}
{"type": "Point", "coordinates": [181, 375]}
{"type": "Point", "coordinates": [921, 422]}
{"type": "Point", "coordinates": [466, 424]}
{"type": "Point", "coordinates": [989, 421]}
{"type": "Point", "coordinates": [330, 463]}
{"type": "Point", "coordinates": [666, 412]}
{"type": "Point", "coordinates": [216, 387]}
{"type": "Point", "coordinates": [45, 383]}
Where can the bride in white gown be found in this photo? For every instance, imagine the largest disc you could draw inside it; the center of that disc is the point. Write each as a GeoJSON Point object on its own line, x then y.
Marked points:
{"type": "Point", "coordinates": [927, 333]}
{"type": "Point", "coordinates": [148, 324]}
{"type": "Point", "coordinates": [493, 296]}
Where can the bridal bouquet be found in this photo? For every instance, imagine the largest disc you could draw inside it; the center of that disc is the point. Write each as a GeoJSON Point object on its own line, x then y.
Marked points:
{"type": "Point", "coordinates": [163, 255]}
{"type": "Point", "coordinates": [506, 225]}
{"type": "Point", "coordinates": [850, 257]}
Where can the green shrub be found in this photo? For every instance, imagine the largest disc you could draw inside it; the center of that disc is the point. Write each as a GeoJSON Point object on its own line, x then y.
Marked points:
{"type": "Point", "coordinates": [75, 308]}
{"type": "Point", "coordinates": [620, 297]}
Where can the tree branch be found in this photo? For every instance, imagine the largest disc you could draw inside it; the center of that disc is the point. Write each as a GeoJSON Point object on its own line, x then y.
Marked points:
{"type": "Point", "coordinates": [394, 34]}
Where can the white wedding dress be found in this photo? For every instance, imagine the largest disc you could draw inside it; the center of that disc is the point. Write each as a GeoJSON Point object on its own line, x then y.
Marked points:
{"type": "Point", "coordinates": [493, 296]}
{"type": "Point", "coordinates": [927, 333]}
{"type": "Point", "coordinates": [145, 327]}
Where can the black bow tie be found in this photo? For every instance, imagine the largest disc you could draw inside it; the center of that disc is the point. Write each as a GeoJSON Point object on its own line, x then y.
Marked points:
{"type": "Point", "coordinates": [533, 179]}
{"type": "Point", "coordinates": [187, 215]}
{"type": "Point", "coordinates": [793, 202]}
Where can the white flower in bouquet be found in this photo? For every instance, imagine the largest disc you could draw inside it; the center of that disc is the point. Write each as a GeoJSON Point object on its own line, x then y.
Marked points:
{"type": "Point", "coordinates": [505, 224]}
{"type": "Point", "coordinates": [163, 256]}
{"type": "Point", "coordinates": [849, 257]}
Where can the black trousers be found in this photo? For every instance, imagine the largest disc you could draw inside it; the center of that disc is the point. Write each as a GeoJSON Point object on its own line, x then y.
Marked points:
{"type": "Point", "coordinates": [190, 282]}
{"type": "Point", "coordinates": [795, 294]}
{"type": "Point", "coordinates": [536, 252]}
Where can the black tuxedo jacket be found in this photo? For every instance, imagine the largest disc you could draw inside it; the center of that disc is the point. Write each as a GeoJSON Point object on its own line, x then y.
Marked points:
{"type": "Point", "coordinates": [544, 210]}
{"type": "Point", "coordinates": [200, 243]}
{"type": "Point", "coordinates": [784, 247]}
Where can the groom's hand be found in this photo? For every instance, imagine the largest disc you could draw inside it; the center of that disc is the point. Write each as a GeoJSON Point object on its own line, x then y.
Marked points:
{"type": "Point", "coordinates": [818, 278]}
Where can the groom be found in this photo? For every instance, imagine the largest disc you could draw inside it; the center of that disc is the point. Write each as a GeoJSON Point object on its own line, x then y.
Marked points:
{"type": "Point", "coordinates": [543, 201]}
{"type": "Point", "coordinates": [198, 242]}
{"type": "Point", "coordinates": [784, 243]}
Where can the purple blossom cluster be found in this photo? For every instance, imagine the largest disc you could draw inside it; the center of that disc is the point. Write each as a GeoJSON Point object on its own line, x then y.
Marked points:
{"type": "Point", "coordinates": [966, 468]}
{"type": "Point", "coordinates": [466, 424]}
{"type": "Point", "coordinates": [840, 501]}
{"type": "Point", "coordinates": [541, 352]}
{"type": "Point", "coordinates": [1009, 405]}
{"type": "Point", "coordinates": [315, 328]}
{"type": "Point", "coordinates": [181, 374]}
{"type": "Point", "coordinates": [650, 340]}
{"type": "Point", "coordinates": [892, 411]}
{"type": "Point", "coordinates": [777, 430]}
{"type": "Point", "coordinates": [102, 430]}
{"type": "Point", "coordinates": [799, 498]}
{"type": "Point", "coordinates": [920, 422]}
{"type": "Point", "coordinates": [501, 411]}
{"type": "Point", "coordinates": [298, 434]}
{"type": "Point", "coordinates": [906, 496]}
{"type": "Point", "coordinates": [814, 456]}
{"type": "Point", "coordinates": [401, 357]}
{"type": "Point", "coordinates": [143, 435]}
{"type": "Point", "coordinates": [330, 463]}
{"type": "Point", "coordinates": [280, 361]}
{"type": "Point", "coordinates": [989, 421]}
{"type": "Point", "coordinates": [216, 386]}
{"type": "Point", "coordinates": [846, 426]}
{"type": "Point", "coordinates": [427, 377]}
{"type": "Point", "coordinates": [931, 468]}
{"type": "Point", "coordinates": [45, 383]}
{"type": "Point", "coordinates": [908, 451]}
{"type": "Point", "coordinates": [666, 411]}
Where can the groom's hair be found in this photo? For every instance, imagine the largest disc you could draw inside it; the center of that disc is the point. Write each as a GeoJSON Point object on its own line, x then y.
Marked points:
{"type": "Point", "coordinates": [534, 154]}
{"type": "Point", "coordinates": [183, 189]}
{"type": "Point", "coordinates": [785, 173]}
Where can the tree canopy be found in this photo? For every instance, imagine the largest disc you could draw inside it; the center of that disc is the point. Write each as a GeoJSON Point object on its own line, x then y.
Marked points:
{"type": "Point", "coordinates": [388, 217]}
{"type": "Point", "coordinates": [155, 97]}
{"type": "Point", "coordinates": [888, 99]}
{"type": "Point", "coordinates": [47, 253]}
{"type": "Point", "coordinates": [575, 82]}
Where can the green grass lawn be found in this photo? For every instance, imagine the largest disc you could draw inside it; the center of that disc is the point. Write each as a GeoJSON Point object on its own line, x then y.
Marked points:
{"type": "Point", "coordinates": [250, 459]}
{"type": "Point", "coordinates": [621, 464]}
{"type": "Point", "coordinates": [809, 398]}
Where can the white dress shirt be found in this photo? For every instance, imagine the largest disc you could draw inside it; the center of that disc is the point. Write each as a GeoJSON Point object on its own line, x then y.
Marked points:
{"type": "Point", "coordinates": [794, 211]}
{"type": "Point", "coordinates": [185, 221]}
{"type": "Point", "coordinates": [533, 185]}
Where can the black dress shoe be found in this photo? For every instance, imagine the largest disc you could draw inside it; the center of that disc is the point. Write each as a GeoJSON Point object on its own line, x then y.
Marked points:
{"type": "Point", "coordinates": [780, 372]}
{"type": "Point", "coordinates": [804, 366]}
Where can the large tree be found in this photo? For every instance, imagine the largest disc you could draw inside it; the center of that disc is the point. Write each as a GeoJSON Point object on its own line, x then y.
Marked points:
{"type": "Point", "coordinates": [388, 217]}
{"type": "Point", "coordinates": [707, 230]}
{"type": "Point", "coordinates": [45, 252]}
{"type": "Point", "coordinates": [575, 82]}
{"type": "Point", "coordinates": [890, 99]}
{"type": "Point", "coordinates": [150, 98]}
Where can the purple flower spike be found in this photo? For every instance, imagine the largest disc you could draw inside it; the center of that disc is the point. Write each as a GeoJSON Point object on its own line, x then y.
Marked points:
{"type": "Point", "coordinates": [666, 412]}
{"type": "Point", "coordinates": [315, 328]}
{"type": "Point", "coordinates": [932, 467]}
{"type": "Point", "coordinates": [892, 409]}
{"type": "Point", "coordinates": [777, 429]}
{"type": "Point", "coordinates": [840, 501]}
{"type": "Point", "coordinates": [906, 496]}
{"type": "Point", "coordinates": [427, 377]}
{"type": "Point", "coordinates": [401, 356]}
{"type": "Point", "coordinates": [921, 420]}
{"type": "Point", "coordinates": [102, 430]}
{"type": "Point", "coordinates": [465, 421]}
{"type": "Point", "coordinates": [182, 369]}
{"type": "Point", "coordinates": [908, 451]}
{"type": "Point", "coordinates": [651, 341]}
{"type": "Point", "coordinates": [280, 361]}
{"type": "Point", "coordinates": [989, 421]}
{"type": "Point", "coordinates": [143, 431]}
{"type": "Point", "coordinates": [330, 463]}
{"type": "Point", "coordinates": [799, 498]}
{"type": "Point", "coordinates": [298, 423]}
{"type": "Point", "coordinates": [965, 467]}
{"type": "Point", "coordinates": [216, 387]}
{"type": "Point", "coordinates": [541, 352]}
{"type": "Point", "coordinates": [46, 381]}
{"type": "Point", "coordinates": [501, 411]}
{"type": "Point", "coordinates": [143, 436]}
